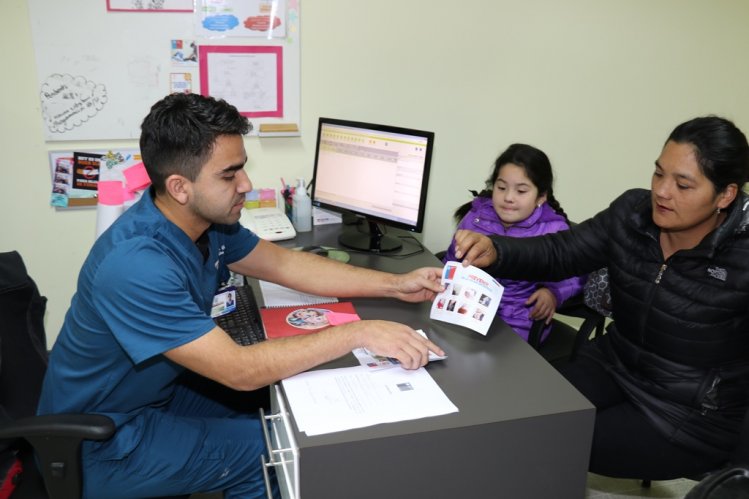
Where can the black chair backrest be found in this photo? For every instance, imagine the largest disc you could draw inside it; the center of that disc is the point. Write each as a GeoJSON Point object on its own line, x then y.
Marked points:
{"type": "Point", "coordinates": [23, 345]}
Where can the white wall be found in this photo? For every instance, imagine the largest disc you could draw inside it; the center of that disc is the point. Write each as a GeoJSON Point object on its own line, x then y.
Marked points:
{"type": "Point", "coordinates": [596, 84]}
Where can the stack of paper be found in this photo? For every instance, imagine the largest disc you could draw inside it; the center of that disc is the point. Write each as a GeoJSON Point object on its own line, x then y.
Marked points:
{"type": "Point", "coordinates": [331, 400]}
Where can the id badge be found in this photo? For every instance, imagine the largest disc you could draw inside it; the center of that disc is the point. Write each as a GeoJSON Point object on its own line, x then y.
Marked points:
{"type": "Point", "coordinates": [224, 302]}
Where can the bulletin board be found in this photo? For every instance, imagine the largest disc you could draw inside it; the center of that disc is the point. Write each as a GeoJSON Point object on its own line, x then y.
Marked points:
{"type": "Point", "coordinates": [100, 70]}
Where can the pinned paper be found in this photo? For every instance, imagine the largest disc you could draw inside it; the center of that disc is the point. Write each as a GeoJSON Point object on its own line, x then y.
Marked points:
{"type": "Point", "coordinates": [136, 177]}
{"type": "Point", "coordinates": [111, 192]}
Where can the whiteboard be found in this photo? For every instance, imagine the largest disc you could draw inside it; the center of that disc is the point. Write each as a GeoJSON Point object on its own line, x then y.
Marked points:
{"type": "Point", "coordinates": [99, 72]}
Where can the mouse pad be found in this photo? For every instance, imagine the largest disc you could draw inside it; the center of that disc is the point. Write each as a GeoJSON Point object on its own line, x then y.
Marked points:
{"type": "Point", "coordinates": [332, 253]}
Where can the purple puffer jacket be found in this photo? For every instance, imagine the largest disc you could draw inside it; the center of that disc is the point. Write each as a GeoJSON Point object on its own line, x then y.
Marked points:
{"type": "Point", "coordinates": [483, 219]}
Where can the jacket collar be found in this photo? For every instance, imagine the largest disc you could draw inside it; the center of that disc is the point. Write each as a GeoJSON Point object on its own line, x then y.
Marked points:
{"type": "Point", "coordinates": [543, 213]}
{"type": "Point", "coordinates": [736, 223]}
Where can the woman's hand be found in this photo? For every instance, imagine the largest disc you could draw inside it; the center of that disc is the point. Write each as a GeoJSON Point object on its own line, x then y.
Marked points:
{"type": "Point", "coordinates": [474, 248]}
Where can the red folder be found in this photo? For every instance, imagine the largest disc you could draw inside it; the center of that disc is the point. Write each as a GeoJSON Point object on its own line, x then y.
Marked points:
{"type": "Point", "coordinates": [300, 319]}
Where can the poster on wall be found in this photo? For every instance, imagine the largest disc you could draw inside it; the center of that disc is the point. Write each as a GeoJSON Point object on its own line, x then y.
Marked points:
{"type": "Point", "coordinates": [250, 77]}
{"type": "Point", "coordinates": [253, 18]}
{"type": "Point", "coordinates": [76, 174]}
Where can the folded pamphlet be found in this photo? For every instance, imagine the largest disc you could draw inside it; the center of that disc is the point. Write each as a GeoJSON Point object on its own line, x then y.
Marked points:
{"type": "Point", "coordinates": [470, 299]}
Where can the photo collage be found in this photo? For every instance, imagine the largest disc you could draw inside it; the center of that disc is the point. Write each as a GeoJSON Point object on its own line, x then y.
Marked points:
{"type": "Point", "coordinates": [471, 297]}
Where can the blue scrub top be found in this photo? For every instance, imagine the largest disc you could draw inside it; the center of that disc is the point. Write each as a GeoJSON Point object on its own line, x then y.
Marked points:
{"type": "Point", "coordinates": [143, 290]}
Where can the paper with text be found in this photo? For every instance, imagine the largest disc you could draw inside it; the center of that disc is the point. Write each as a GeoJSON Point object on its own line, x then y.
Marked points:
{"type": "Point", "coordinates": [332, 400]}
{"type": "Point", "coordinates": [375, 362]}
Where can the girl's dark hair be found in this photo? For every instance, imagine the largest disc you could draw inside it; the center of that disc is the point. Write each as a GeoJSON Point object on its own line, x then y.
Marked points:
{"type": "Point", "coordinates": [537, 167]}
{"type": "Point", "coordinates": [721, 148]}
{"type": "Point", "coordinates": [179, 133]}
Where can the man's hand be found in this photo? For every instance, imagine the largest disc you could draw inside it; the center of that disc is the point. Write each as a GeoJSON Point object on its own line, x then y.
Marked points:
{"type": "Point", "coordinates": [418, 285]}
{"type": "Point", "coordinates": [545, 305]}
{"type": "Point", "coordinates": [398, 341]}
{"type": "Point", "coordinates": [474, 248]}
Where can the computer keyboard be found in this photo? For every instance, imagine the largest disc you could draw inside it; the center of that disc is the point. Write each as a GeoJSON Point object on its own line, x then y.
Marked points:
{"type": "Point", "coordinates": [244, 324]}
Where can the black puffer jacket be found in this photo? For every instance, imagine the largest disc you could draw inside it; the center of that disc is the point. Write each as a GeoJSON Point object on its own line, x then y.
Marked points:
{"type": "Point", "coordinates": [679, 344]}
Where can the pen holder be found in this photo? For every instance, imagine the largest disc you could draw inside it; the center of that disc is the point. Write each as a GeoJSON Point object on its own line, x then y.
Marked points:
{"type": "Point", "coordinates": [287, 201]}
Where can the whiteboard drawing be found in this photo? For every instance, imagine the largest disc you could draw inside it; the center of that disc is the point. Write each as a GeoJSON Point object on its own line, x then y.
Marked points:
{"type": "Point", "coordinates": [69, 101]}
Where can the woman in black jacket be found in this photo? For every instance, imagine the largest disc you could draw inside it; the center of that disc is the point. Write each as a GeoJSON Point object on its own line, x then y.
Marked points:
{"type": "Point", "coordinates": [670, 379]}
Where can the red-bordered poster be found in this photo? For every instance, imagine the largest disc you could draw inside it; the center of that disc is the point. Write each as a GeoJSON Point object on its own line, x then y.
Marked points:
{"type": "Point", "coordinates": [248, 77]}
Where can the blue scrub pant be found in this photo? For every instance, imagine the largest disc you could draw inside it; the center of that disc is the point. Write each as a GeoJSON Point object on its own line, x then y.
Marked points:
{"type": "Point", "coordinates": [204, 440]}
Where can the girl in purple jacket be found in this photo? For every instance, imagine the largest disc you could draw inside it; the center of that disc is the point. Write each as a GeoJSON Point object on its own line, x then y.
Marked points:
{"type": "Point", "coordinates": [518, 201]}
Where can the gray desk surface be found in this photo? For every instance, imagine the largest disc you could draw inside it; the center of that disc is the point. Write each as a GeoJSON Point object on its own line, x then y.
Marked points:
{"type": "Point", "coordinates": [492, 379]}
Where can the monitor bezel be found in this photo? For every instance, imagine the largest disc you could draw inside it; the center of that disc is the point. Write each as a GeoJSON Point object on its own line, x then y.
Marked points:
{"type": "Point", "coordinates": [421, 215]}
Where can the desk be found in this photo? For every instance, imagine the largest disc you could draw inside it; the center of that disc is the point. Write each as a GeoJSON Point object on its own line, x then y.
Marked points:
{"type": "Point", "coordinates": [521, 431]}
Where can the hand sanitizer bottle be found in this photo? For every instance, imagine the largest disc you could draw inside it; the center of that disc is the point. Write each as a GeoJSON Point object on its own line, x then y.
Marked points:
{"type": "Point", "coordinates": [301, 208]}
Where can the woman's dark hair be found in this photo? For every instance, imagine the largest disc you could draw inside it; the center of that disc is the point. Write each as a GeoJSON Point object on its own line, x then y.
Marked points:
{"type": "Point", "coordinates": [179, 133]}
{"type": "Point", "coordinates": [537, 167]}
{"type": "Point", "coordinates": [721, 148]}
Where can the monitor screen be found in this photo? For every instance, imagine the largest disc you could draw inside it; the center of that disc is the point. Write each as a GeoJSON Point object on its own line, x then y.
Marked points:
{"type": "Point", "coordinates": [377, 172]}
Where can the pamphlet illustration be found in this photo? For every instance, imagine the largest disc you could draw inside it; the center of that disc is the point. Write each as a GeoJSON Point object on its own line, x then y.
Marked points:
{"type": "Point", "coordinates": [470, 299]}
{"type": "Point", "coordinates": [375, 362]}
{"type": "Point", "coordinates": [304, 319]}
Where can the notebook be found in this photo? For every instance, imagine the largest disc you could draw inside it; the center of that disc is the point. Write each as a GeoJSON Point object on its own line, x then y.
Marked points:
{"type": "Point", "coordinates": [305, 319]}
{"type": "Point", "coordinates": [275, 295]}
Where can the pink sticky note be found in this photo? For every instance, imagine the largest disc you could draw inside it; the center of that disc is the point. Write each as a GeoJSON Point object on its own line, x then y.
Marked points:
{"type": "Point", "coordinates": [267, 194]}
{"type": "Point", "coordinates": [136, 177]}
{"type": "Point", "coordinates": [111, 192]}
{"type": "Point", "coordinates": [337, 318]}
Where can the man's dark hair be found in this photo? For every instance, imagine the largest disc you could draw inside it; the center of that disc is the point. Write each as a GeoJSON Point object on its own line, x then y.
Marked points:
{"type": "Point", "coordinates": [178, 135]}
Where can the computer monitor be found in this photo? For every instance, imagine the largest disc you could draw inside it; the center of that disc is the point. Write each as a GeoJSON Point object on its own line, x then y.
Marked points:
{"type": "Point", "coordinates": [379, 173]}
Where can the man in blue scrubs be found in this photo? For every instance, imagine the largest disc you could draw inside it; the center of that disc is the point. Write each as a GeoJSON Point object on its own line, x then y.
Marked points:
{"type": "Point", "coordinates": [138, 343]}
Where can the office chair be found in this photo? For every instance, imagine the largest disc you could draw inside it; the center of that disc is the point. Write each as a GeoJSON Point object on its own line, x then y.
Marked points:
{"type": "Point", "coordinates": [23, 360]}
{"type": "Point", "coordinates": [564, 341]}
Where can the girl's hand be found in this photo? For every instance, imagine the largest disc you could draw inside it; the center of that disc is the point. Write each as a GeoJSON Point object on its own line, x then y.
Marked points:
{"type": "Point", "coordinates": [545, 305]}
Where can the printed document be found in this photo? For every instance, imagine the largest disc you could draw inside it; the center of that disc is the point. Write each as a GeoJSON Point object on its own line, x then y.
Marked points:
{"type": "Point", "coordinates": [471, 297]}
{"type": "Point", "coordinates": [331, 400]}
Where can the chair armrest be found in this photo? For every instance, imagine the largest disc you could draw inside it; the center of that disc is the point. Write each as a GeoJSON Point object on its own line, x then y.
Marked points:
{"type": "Point", "coordinates": [535, 332]}
{"type": "Point", "coordinates": [575, 307]}
{"type": "Point", "coordinates": [57, 439]}
{"type": "Point", "coordinates": [80, 426]}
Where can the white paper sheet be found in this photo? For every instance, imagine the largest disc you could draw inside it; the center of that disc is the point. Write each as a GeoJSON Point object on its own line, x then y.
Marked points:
{"type": "Point", "coordinates": [331, 400]}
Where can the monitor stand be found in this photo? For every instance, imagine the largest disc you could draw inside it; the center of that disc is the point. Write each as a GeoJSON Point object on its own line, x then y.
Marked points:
{"type": "Point", "coordinates": [375, 241]}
